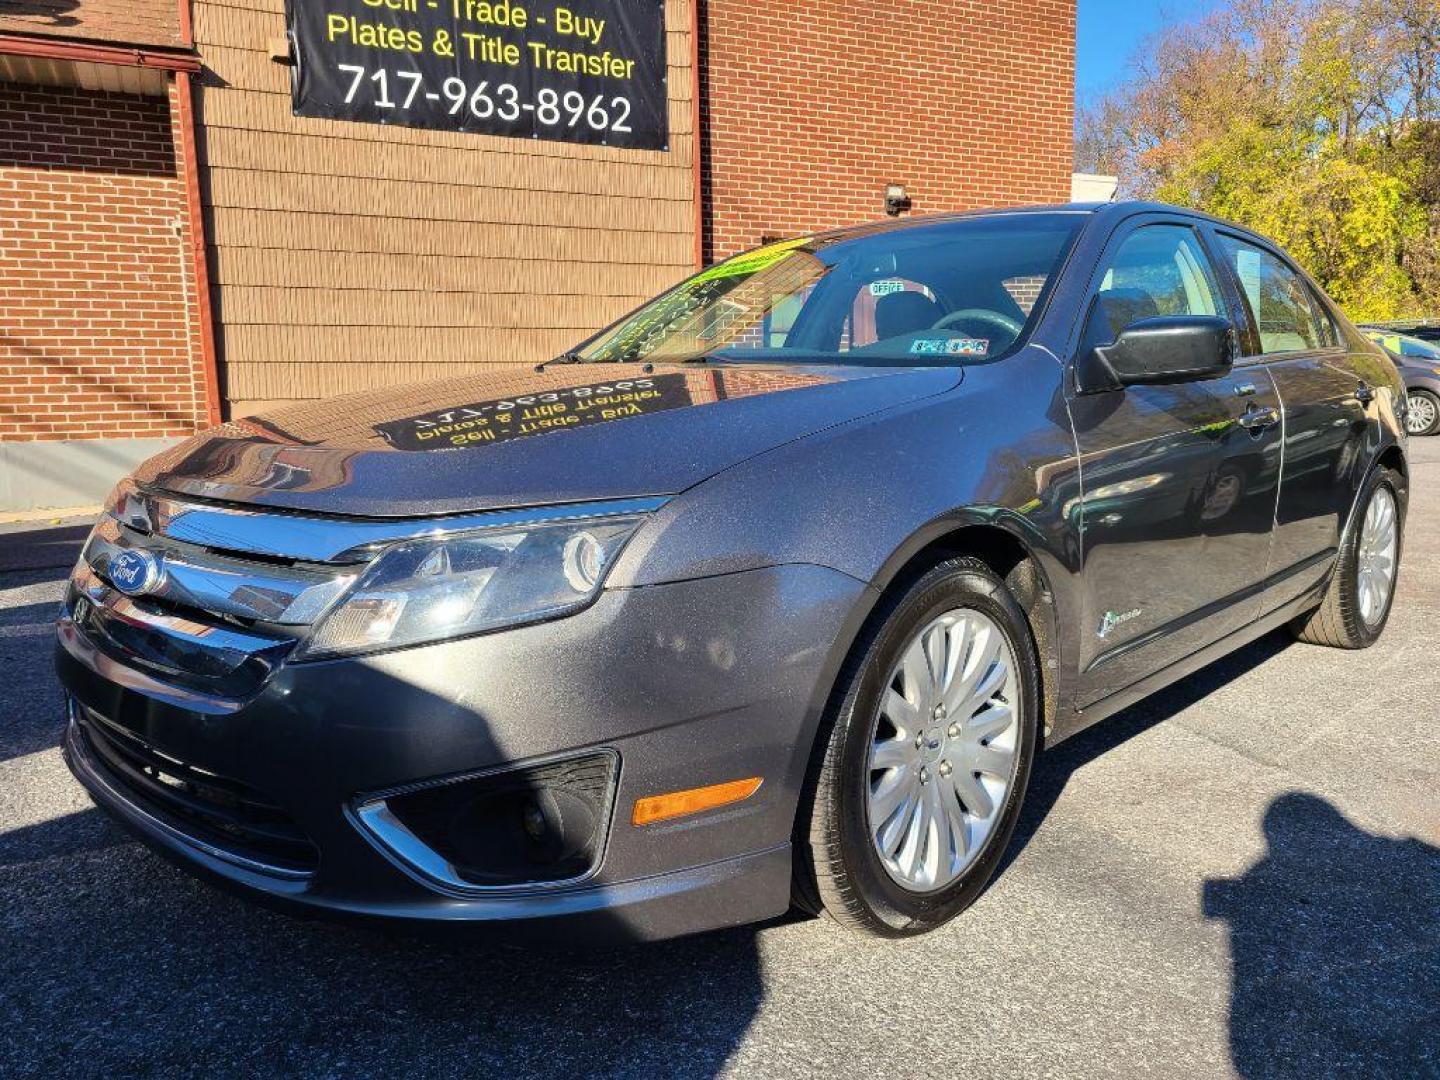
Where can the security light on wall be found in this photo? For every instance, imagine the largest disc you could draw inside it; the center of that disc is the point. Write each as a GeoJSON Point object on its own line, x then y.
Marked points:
{"type": "Point", "coordinates": [897, 199]}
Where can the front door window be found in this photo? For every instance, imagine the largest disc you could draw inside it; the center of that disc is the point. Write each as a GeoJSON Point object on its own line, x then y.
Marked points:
{"type": "Point", "coordinates": [1159, 270]}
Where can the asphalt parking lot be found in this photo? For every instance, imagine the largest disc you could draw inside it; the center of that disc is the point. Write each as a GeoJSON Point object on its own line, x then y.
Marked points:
{"type": "Point", "coordinates": [1240, 876]}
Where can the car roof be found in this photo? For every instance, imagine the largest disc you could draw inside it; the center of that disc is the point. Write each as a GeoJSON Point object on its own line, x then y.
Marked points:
{"type": "Point", "coordinates": [1117, 210]}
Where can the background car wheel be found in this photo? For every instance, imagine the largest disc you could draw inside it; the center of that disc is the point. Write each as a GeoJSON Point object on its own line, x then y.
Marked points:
{"type": "Point", "coordinates": [1362, 589]}
{"type": "Point", "coordinates": [1422, 412]}
{"type": "Point", "coordinates": [926, 757]}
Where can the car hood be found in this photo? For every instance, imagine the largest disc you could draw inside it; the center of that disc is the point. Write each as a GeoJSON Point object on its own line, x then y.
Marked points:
{"type": "Point", "coordinates": [509, 437]}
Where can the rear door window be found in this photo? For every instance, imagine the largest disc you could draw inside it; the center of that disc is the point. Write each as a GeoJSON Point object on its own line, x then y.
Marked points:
{"type": "Point", "coordinates": [1280, 304]}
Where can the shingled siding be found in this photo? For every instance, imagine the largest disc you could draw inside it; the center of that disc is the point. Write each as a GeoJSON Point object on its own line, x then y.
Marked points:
{"type": "Point", "coordinates": [346, 256]}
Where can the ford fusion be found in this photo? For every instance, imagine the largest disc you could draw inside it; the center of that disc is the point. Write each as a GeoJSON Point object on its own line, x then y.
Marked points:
{"type": "Point", "coordinates": [765, 596]}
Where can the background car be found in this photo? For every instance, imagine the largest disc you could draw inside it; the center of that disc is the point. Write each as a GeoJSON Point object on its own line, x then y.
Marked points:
{"type": "Point", "coordinates": [1424, 329]}
{"type": "Point", "coordinates": [1419, 364]}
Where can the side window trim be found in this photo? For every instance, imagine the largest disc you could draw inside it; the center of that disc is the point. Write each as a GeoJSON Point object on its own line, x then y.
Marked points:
{"type": "Point", "coordinates": [1119, 237]}
{"type": "Point", "coordinates": [1326, 316]}
{"type": "Point", "coordinates": [1119, 233]}
{"type": "Point", "coordinates": [1238, 305]}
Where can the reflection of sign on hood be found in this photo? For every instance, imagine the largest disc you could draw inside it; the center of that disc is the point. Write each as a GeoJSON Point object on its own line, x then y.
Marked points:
{"type": "Point", "coordinates": [485, 422]}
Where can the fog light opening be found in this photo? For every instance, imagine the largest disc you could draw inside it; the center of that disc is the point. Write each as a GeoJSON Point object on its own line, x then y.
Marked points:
{"type": "Point", "coordinates": [539, 825]}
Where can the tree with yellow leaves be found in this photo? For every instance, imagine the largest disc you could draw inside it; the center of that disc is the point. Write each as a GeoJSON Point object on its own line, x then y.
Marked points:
{"type": "Point", "coordinates": [1316, 122]}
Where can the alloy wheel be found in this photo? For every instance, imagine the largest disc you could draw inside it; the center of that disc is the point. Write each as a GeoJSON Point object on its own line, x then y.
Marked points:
{"type": "Point", "coordinates": [943, 751]}
{"type": "Point", "coordinates": [1420, 413]}
{"type": "Point", "coordinates": [1376, 556]}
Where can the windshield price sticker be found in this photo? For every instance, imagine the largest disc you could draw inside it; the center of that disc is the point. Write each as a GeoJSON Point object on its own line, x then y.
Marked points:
{"type": "Point", "coordinates": [486, 422]}
{"type": "Point", "coordinates": [750, 262]}
{"type": "Point", "coordinates": [962, 346]}
{"type": "Point", "coordinates": [588, 71]}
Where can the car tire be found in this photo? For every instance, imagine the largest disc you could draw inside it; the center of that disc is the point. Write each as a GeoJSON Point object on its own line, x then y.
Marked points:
{"type": "Point", "coordinates": [1422, 402]}
{"type": "Point", "coordinates": [1344, 620]}
{"type": "Point", "coordinates": [840, 868]}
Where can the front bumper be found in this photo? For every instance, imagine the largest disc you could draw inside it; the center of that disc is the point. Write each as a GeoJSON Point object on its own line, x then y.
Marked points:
{"type": "Point", "coordinates": [690, 683]}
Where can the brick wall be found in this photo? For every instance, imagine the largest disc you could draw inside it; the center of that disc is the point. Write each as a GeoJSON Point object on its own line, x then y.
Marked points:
{"type": "Point", "coordinates": [810, 110]}
{"type": "Point", "coordinates": [98, 334]}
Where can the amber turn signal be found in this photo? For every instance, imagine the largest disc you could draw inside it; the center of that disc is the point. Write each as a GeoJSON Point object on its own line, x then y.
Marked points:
{"type": "Point", "coordinates": [679, 803]}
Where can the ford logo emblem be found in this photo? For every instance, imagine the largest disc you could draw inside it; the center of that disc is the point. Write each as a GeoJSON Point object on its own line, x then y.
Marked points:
{"type": "Point", "coordinates": [135, 573]}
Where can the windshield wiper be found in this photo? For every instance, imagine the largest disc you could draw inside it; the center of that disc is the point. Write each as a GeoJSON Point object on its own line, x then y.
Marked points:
{"type": "Point", "coordinates": [571, 357]}
{"type": "Point", "coordinates": [717, 357]}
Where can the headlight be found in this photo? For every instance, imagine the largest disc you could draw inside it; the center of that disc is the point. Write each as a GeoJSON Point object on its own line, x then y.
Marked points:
{"type": "Point", "coordinates": [466, 583]}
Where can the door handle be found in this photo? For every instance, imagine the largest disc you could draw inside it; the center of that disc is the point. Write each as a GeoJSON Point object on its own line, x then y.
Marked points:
{"type": "Point", "coordinates": [1364, 394]}
{"type": "Point", "coordinates": [1256, 420]}
{"type": "Point", "coordinates": [1245, 390]}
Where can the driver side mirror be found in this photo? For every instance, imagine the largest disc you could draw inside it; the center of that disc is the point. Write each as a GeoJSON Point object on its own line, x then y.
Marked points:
{"type": "Point", "coordinates": [1161, 349]}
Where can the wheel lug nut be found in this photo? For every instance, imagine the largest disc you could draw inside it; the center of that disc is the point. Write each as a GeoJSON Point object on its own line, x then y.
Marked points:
{"type": "Point", "coordinates": [945, 769]}
{"type": "Point", "coordinates": [954, 731]}
{"type": "Point", "coordinates": [924, 776]}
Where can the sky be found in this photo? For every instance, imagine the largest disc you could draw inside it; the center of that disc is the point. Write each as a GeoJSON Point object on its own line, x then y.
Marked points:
{"type": "Point", "coordinates": [1107, 32]}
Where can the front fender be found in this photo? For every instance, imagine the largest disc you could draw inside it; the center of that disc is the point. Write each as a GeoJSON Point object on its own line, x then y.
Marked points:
{"type": "Point", "coordinates": [864, 498]}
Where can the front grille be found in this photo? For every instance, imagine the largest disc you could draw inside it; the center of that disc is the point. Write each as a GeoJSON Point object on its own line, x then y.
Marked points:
{"type": "Point", "coordinates": [216, 810]}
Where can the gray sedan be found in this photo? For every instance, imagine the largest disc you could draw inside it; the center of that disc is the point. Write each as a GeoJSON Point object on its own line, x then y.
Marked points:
{"type": "Point", "coordinates": [765, 596]}
{"type": "Point", "coordinates": [1419, 365]}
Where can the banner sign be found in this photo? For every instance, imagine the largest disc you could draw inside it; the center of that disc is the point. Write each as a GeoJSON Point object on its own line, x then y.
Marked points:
{"type": "Point", "coordinates": [587, 71]}
{"type": "Point", "coordinates": [484, 422]}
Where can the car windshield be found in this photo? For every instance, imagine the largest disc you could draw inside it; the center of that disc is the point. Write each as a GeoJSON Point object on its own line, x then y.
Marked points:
{"type": "Point", "coordinates": [949, 292]}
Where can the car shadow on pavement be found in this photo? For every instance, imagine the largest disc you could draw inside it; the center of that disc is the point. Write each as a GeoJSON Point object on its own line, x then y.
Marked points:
{"type": "Point", "coordinates": [1053, 768]}
{"type": "Point", "coordinates": [1335, 949]}
{"type": "Point", "coordinates": [119, 964]}
{"type": "Point", "coordinates": [1334, 933]}
{"type": "Point", "coordinates": [54, 548]}
{"type": "Point", "coordinates": [30, 704]}
{"type": "Point", "coordinates": [62, 837]}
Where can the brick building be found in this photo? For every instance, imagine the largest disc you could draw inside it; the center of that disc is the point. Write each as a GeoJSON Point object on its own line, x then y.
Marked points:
{"type": "Point", "coordinates": [177, 247]}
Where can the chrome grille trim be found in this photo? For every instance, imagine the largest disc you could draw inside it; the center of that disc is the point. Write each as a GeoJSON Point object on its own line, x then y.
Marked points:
{"type": "Point", "coordinates": [278, 534]}
{"type": "Point", "coordinates": [221, 584]}
{"type": "Point", "coordinates": [184, 653]}
{"type": "Point", "coordinates": [232, 645]}
{"type": "Point", "coordinates": [85, 652]}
